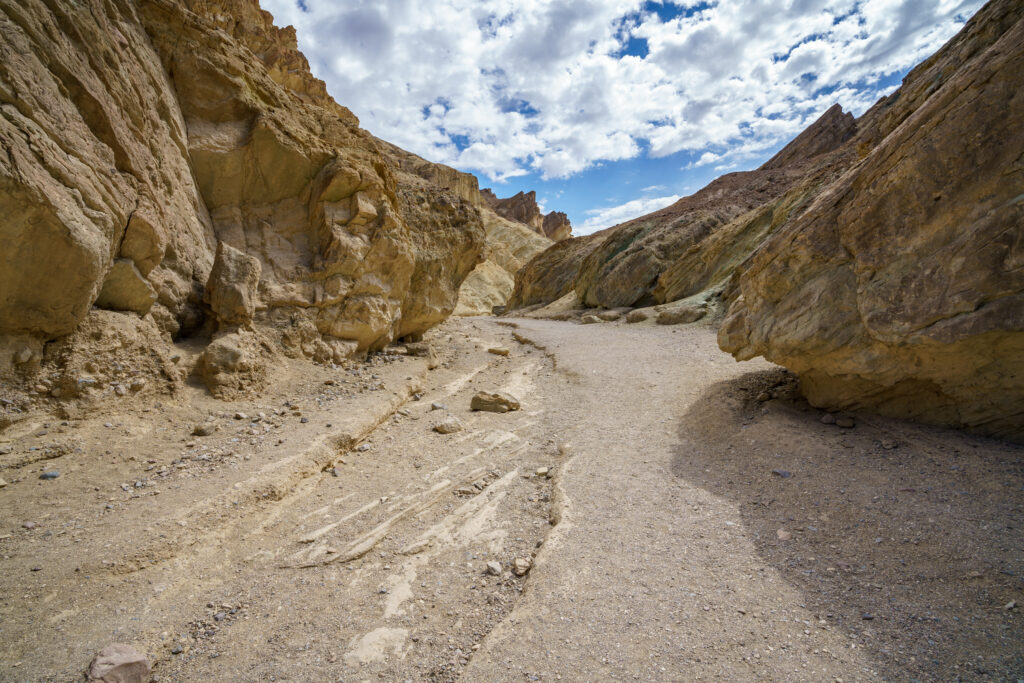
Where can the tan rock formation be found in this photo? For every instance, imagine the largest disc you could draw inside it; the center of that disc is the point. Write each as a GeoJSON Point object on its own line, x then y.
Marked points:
{"type": "Point", "coordinates": [140, 136]}
{"type": "Point", "coordinates": [522, 208]}
{"type": "Point", "coordinates": [510, 246]}
{"type": "Point", "coordinates": [900, 289]}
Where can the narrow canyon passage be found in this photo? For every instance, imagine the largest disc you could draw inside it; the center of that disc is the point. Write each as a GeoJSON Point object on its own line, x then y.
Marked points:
{"type": "Point", "coordinates": [656, 512]}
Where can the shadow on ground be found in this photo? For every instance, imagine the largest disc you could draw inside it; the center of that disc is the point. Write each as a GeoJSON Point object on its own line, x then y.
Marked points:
{"type": "Point", "coordinates": [908, 538]}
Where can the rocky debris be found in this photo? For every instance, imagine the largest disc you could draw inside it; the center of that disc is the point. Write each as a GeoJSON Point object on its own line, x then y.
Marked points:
{"type": "Point", "coordinates": [51, 474]}
{"type": "Point", "coordinates": [232, 365]}
{"type": "Point", "coordinates": [499, 350]}
{"type": "Point", "coordinates": [589, 320]}
{"type": "Point", "coordinates": [609, 316]}
{"type": "Point", "coordinates": [204, 429]}
{"type": "Point", "coordinates": [438, 406]}
{"type": "Point", "coordinates": [494, 568]}
{"type": "Point", "coordinates": [3, 483]}
{"type": "Point", "coordinates": [907, 302]}
{"type": "Point", "coordinates": [424, 350]}
{"type": "Point", "coordinates": [231, 288]}
{"type": "Point", "coordinates": [493, 402]}
{"type": "Point", "coordinates": [521, 566]}
{"type": "Point", "coordinates": [449, 425]}
{"type": "Point", "coordinates": [679, 315]}
{"type": "Point", "coordinates": [637, 315]}
{"type": "Point", "coordinates": [119, 663]}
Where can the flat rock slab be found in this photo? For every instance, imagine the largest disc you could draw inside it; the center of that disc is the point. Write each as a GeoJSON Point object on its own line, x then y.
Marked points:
{"type": "Point", "coordinates": [119, 663]}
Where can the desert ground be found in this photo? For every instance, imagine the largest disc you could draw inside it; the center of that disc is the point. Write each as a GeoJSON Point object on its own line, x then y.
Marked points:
{"type": "Point", "coordinates": [659, 512]}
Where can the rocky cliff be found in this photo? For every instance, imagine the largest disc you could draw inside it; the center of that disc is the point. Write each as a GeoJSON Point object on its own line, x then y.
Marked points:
{"type": "Point", "coordinates": [694, 244]}
{"type": "Point", "coordinates": [879, 258]}
{"type": "Point", "coordinates": [522, 208]}
{"type": "Point", "coordinates": [901, 289]}
{"type": "Point", "coordinates": [174, 163]}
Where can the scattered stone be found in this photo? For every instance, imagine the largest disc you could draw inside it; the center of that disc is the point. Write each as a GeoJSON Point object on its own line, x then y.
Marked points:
{"type": "Point", "coordinates": [1010, 605]}
{"type": "Point", "coordinates": [681, 315]}
{"type": "Point", "coordinates": [498, 351]}
{"type": "Point", "coordinates": [204, 429]}
{"type": "Point", "coordinates": [889, 445]}
{"type": "Point", "coordinates": [828, 419]}
{"type": "Point", "coordinates": [782, 473]}
{"type": "Point", "coordinates": [609, 316]}
{"type": "Point", "coordinates": [52, 474]}
{"type": "Point", "coordinates": [521, 565]}
{"type": "Point", "coordinates": [542, 471]}
{"type": "Point", "coordinates": [241, 416]}
{"type": "Point", "coordinates": [449, 425]}
{"type": "Point", "coordinates": [783, 535]}
{"type": "Point", "coordinates": [119, 663]}
{"type": "Point", "coordinates": [589, 320]}
{"type": "Point", "coordinates": [424, 350]}
{"type": "Point", "coordinates": [219, 616]}
{"type": "Point", "coordinates": [637, 316]}
{"type": "Point", "coordinates": [304, 420]}
{"type": "Point", "coordinates": [764, 396]}
{"type": "Point", "coordinates": [2, 483]}
{"type": "Point", "coordinates": [28, 525]}
{"type": "Point", "coordinates": [494, 402]}
{"type": "Point", "coordinates": [177, 650]}
{"type": "Point", "coordinates": [363, 447]}
{"type": "Point", "coordinates": [137, 384]}
{"type": "Point", "coordinates": [494, 568]}
{"type": "Point", "coordinates": [867, 616]}
{"type": "Point", "coordinates": [438, 406]}
{"type": "Point", "coordinates": [845, 422]}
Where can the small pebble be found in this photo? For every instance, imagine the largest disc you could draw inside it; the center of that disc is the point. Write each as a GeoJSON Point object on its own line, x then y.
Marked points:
{"type": "Point", "coordinates": [828, 419]}
{"type": "Point", "coordinates": [845, 422]}
{"type": "Point", "coordinates": [494, 568]}
{"type": "Point", "coordinates": [28, 525]}
{"type": "Point", "coordinates": [52, 474]}
{"type": "Point", "coordinates": [304, 420]}
{"type": "Point", "coordinates": [782, 473]}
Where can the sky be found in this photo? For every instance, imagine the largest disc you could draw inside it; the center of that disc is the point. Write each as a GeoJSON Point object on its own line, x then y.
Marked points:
{"type": "Point", "coordinates": [609, 109]}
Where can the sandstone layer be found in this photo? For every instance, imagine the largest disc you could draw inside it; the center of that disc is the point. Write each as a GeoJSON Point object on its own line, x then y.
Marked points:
{"type": "Point", "coordinates": [901, 289]}
{"type": "Point", "coordinates": [143, 141]}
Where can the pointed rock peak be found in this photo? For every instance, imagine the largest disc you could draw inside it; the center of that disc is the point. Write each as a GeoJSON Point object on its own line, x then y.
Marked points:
{"type": "Point", "coordinates": [831, 130]}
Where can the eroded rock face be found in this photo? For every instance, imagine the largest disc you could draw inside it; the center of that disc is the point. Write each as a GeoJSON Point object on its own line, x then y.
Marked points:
{"type": "Point", "coordinates": [140, 136]}
{"type": "Point", "coordinates": [510, 246]}
{"type": "Point", "coordinates": [697, 243]}
{"type": "Point", "coordinates": [901, 289]}
{"type": "Point", "coordinates": [523, 208]}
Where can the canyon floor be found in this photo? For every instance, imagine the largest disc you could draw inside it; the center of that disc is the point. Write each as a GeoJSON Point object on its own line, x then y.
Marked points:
{"type": "Point", "coordinates": [697, 521]}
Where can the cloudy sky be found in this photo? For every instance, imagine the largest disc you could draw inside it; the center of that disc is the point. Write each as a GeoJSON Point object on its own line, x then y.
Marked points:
{"type": "Point", "coordinates": [609, 108]}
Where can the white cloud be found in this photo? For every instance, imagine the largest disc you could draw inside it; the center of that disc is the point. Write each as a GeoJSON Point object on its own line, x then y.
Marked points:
{"type": "Point", "coordinates": [600, 219]}
{"type": "Point", "coordinates": [510, 87]}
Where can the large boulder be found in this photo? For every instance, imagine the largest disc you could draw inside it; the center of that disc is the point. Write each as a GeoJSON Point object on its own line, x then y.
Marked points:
{"type": "Point", "coordinates": [900, 289]}
{"type": "Point", "coordinates": [231, 290]}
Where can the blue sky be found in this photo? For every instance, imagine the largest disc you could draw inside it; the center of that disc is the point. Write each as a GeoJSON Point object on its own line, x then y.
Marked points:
{"type": "Point", "coordinates": [609, 109]}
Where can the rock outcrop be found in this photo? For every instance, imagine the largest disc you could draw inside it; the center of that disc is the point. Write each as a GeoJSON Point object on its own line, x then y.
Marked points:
{"type": "Point", "coordinates": [901, 289]}
{"type": "Point", "coordinates": [522, 208]}
{"type": "Point", "coordinates": [145, 141]}
{"type": "Point", "coordinates": [694, 245]}
{"type": "Point", "coordinates": [509, 246]}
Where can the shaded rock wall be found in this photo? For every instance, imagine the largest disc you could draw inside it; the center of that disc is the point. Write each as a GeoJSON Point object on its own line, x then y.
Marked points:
{"type": "Point", "coordinates": [902, 288]}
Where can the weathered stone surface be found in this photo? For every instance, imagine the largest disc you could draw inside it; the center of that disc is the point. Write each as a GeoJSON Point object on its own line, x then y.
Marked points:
{"type": "Point", "coordinates": [697, 243]}
{"type": "Point", "coordinates": [140, 136]}
{"type": "Point", "coordinates": [900, 289]}
{"type": "Point", "coordinates": [125, 289]}
{"type": "Point", "coordinates": [510, 246]}
{"type": "Point", "coordinates": [231, 289]}
{"type": "Point", "coordinates": [636, 316]}
{"type": "Point", "coordinates": [493, 402]}
{"type": "Point", "coordinates": [679, 314]}
{"type": "Point", "coordinates": [232, 365]}
{"type": "Point", "coordinates": [523, 208]}
{"type": "Point", "coordinates": [449, 425]}
{"type": "Point", "coordinates": [119, 663]}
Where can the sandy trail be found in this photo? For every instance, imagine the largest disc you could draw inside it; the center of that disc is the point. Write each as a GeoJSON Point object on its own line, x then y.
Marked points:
{"type": "Point", "coordinates": [689, 531]}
